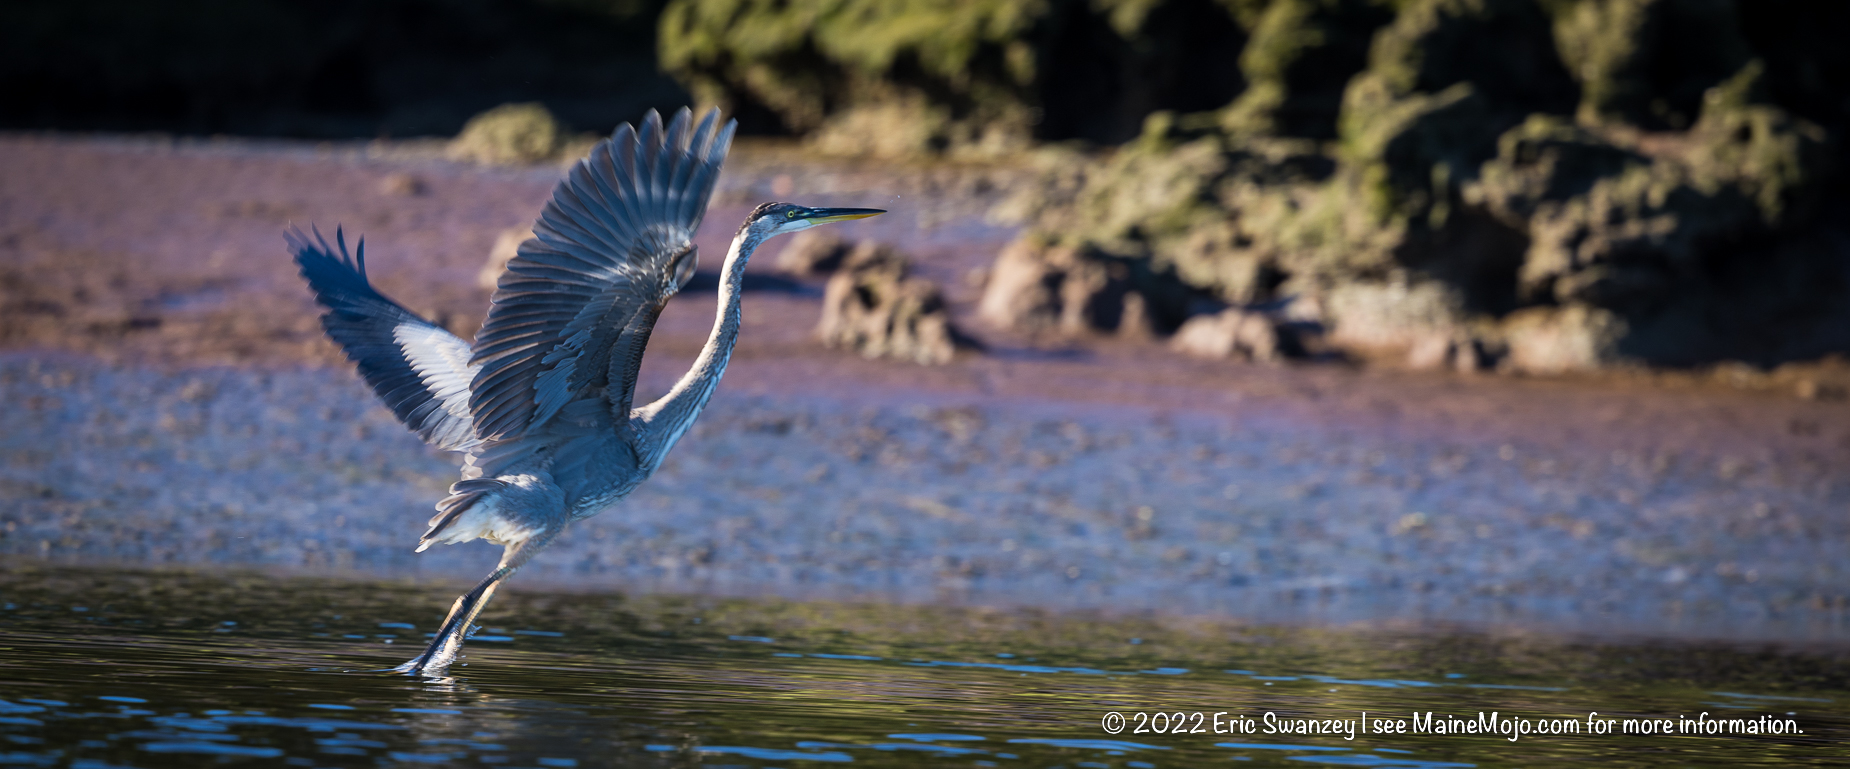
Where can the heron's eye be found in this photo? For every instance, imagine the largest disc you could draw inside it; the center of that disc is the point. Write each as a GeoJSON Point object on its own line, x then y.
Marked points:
{"type": "Point", "coordinates": [790, 214]}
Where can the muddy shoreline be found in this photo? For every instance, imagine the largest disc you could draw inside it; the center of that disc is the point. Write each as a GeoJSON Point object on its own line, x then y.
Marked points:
{"type": "Point", "coordinates": [169, 401]}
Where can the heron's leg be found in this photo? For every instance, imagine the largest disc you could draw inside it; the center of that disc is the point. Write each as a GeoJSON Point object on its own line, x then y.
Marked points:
{"type": "Point", "coordinates": [455, 628]}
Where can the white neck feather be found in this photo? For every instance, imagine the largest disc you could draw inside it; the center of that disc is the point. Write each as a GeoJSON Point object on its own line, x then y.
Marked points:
{"type": "Point", "coordinates": [660, 424]}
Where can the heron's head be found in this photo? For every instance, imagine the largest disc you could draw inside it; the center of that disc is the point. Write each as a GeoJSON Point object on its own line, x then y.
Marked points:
{"type": "Point", "coordinates": [779, 218]}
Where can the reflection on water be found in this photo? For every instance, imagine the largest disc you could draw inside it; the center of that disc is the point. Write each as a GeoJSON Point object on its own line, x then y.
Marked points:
{"type": "Point", "coordinates": [102, 669]}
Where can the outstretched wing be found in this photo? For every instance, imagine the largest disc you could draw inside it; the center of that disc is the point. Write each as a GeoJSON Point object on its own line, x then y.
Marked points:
{"type": "Point", "coordinates": [420, 370]}
{"type": "Point", "coordinates": [578, 301]}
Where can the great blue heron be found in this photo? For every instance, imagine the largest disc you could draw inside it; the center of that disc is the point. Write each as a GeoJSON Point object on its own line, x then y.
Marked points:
{"type": "Point", "coordinates": [540, 404]}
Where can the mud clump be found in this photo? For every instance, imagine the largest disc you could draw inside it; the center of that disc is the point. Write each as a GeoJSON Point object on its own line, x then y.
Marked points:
{"type": "Point", "coordinates": [1040, 287]}
{"type": "Point", "coordinates": [510, 134]}
{"type": "Point", "coordinates": [1826, 380]}
{"type": "Point", "coordinates": [507, 246]}
{"type": "Point", "coordinates": [1231, 333]}
{"type": "Point", "coordinates": [403, 185]}
{"type": "Point", "coordinates": [813, 252]}
{"type": "Point", "coordinates": [875, 307]}
{"type": "Point", "coordinates": [1659, 247]}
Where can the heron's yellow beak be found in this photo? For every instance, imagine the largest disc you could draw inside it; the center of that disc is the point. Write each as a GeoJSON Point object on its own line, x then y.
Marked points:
{"type": "Point", "coordinates": [827, 215]}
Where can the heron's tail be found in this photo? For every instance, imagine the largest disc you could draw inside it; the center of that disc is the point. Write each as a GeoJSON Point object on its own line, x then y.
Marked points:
{"type": "Point", "coordinates": [519, 511]}
{"type": "Point", "coordinates": [464, 495]}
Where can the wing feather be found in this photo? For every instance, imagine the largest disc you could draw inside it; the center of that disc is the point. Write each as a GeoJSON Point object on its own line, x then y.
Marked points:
{"type": "Point", "coordinates": [604, 174]}
{"type": "Point", "coordinates": [626, 358]}
{"type": "Point", "coordinates": [420, 370]}
{"type": "Point", "coordinates": [576, 305]}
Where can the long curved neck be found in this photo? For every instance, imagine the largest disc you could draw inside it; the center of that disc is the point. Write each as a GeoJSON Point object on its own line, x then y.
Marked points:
{"type": "Point", "coordinates": [660, 424]}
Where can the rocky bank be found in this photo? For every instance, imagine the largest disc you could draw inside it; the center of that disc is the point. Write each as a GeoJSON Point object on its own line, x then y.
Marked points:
{"type": "Point", "coordinates": [1526, 185]}
{"type": "Point", "coordinates": [168, 399]}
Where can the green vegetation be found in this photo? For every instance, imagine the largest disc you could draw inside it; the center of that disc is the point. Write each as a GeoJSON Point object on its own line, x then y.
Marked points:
{"type": "Point", "coordinates": [510, 133]}
{"type": "Point", "coordinates": [1491, 175]}
{"type": "Point", "coordinates": [866, 75]}
{"type": "Point", "coordinates": [1530, 182]}
{"type": "Point", "coordinates": [969, 77]}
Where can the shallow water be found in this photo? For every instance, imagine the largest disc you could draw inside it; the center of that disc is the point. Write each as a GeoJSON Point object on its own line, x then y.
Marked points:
{"type": "Point", "coordinates": [105, 668]}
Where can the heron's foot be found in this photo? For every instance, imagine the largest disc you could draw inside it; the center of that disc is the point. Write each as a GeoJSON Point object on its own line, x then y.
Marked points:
{"type": "Point", "coordinates": [442, 651]}
{"type": "Point", "coordinates": [444, 648]}
{"type": "Point", "coordinates": [414, 666]}
{"type": "Point", "coordinates": [417, 666]}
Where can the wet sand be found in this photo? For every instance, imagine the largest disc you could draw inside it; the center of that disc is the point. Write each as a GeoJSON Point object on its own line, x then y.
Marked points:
{"type": "Point", "coordinates": [168, 400]}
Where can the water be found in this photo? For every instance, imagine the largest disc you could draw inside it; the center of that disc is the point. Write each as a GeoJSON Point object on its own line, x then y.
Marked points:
{"type": "Point", "coordinates": [104, 668]}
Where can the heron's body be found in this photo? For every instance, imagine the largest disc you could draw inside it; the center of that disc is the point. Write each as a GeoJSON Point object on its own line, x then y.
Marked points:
{"type": "Point", "coordinates": [540, 403]}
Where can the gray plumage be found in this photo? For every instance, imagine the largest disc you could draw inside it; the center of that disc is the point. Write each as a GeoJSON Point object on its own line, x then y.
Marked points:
{"type": "Point", "coordinates": [541, 403]}
{"type": "Point", "coordinates": [419, 369]}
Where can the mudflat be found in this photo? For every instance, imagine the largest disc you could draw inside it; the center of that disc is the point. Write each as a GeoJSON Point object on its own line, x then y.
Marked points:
{"type": "Point", "coordinates": [169, 399]}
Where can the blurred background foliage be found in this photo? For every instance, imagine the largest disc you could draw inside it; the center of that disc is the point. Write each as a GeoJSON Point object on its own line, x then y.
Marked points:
{"type": "Point", "coordinates": [1543, 185]}
{"type": "Point", "coordinates": [325, 69]}
{"type": "Point", "coordinates": [1027, 70]}
{"type": "Point", "coordinates": [988, 76]}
